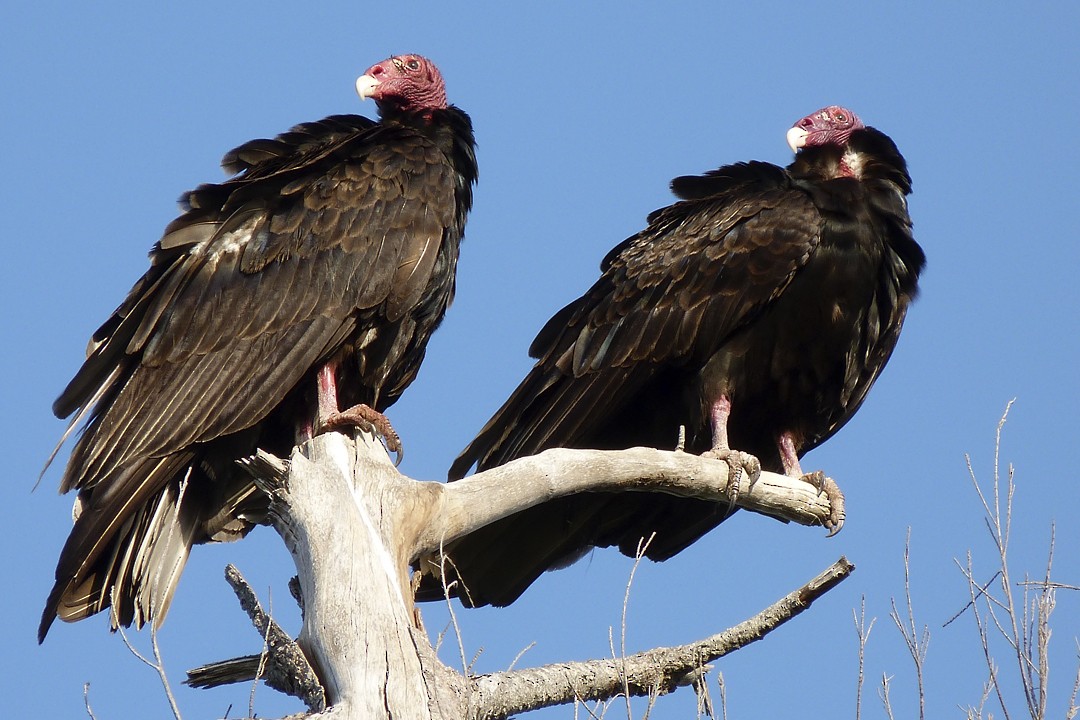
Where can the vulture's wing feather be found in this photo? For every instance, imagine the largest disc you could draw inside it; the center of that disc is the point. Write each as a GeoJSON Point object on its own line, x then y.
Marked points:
{"type": "Point", "coordinates": [337, 239]}
{"type": "Point", "coordinates": [778, 292]}
{"type": "Point", "coordinates": [669, 295]}
{"type": "Point", "coordinates": [667, 298]}
{"type": "Point", "coordinates": [235, 321]}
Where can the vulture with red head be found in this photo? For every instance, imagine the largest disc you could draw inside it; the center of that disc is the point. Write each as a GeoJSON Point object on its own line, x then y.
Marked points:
{"type": "Point", "coordinates": [756, 312]}
{"type": "Point", "coordinates": [309, 282]}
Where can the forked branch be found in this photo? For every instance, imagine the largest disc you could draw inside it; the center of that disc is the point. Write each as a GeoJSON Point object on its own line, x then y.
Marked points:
{"type": "Point", "coordinates": [354, 525]}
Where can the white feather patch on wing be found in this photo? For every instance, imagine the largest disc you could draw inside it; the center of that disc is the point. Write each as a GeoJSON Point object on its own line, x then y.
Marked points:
{"type": "Point", "coordinates": [232, 240]}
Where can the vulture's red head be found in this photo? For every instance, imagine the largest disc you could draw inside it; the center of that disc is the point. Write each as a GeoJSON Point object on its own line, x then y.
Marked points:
{"type": "Point", "coordinates": [404, 83]}
{"type": "Point", "coordinates": [829, 126]}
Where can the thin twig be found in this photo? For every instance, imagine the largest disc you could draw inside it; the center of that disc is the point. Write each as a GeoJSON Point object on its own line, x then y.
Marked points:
{"type": "Point", "coordinates": [443, 559]}
{"type": "Point", "coordinates": [615, 657]}
{"type": "Point", "coordinates": [979, 594]}
{"type": "Point", "coordinates": [86, 701]}
{"type": "Point", "coordinates": [475, 659]}
{"type": "Point", "coordinates": [998, 521]}
{"type": "Point", "coordinates": [917, 643]}
{"type": "Point", "coordinates": [984, 640]}
{"type": "Point", "coordinates": [160, 665]}
{"type": "Point", "coordinates": [863, 631]}
{"type": "Point", "coordinates": [1073, 709]}
{"type": "Point", "coordinates": [723, 695]}
{"type": "Point", "coordinates": [1048, 584]}
{"type": "Point", "coordinates": [156, 664]}
{"type": "Point", "coordinates": [440, 637]}
{"type": "Point", "coordinates": [643, 546]}
{"type": "Point", "coordinates": [654, 694]}
{"type": "Point", "coordinates": [263, 654]}
{"type": "Point", "coordinates": [704, 698]}
{"type": "Point", "coordinates": [1046, 600]}
{"type": "Point", "coordinates": [883, 692]}
{"type": "Point", "coordinates": [1003, 528]}
{"type": "Point", "coordinates": [521, 653]}
{"type": "Point", "coordinates": [977, 712]}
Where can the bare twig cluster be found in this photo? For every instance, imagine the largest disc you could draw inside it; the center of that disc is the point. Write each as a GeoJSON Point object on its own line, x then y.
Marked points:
{"type": "Point", "coordinates": [1010, 616]}
{"type": "Point", "coordinates": [1024, 622]}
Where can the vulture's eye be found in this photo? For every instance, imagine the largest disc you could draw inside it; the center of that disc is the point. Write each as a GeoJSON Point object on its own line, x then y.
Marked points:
{"type": "Point", "coordinates": [413, 64]}
{"type": "Point", "coordinates": [840, 117]}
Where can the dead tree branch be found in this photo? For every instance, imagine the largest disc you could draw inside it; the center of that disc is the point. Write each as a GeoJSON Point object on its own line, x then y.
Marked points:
{"type": "Point", "coordinates": [491, 495]}
{"type": "Point", "coordinates": [287, 669]}
{"type": "Point", "coordinates": [354, 526]}
{"type": "Point", "coordinates": [658, 670]}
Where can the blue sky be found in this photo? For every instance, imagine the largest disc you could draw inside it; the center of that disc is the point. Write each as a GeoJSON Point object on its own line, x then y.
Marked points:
{"type": "Point", "coordinates": [583, 113]}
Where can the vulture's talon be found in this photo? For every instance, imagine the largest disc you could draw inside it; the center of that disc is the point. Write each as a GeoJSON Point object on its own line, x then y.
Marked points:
{"type": "Point", "coordinates": [738, 463]}
{"type": "Point", "coordinates": [827, 486]}
{"type": "Point", "coordinates": [369, 420]}
{"type": "Point", "coordinates": [816, 478]}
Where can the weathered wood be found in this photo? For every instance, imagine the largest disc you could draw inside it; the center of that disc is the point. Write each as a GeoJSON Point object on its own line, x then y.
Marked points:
{"type": "Point", "coordinates": [656, 671]}
{"type": "Point", "coordinates": [282, 666]}
{"type": "Point", "coordinates": [354, 525]}
{"type": "Point", "coordinates": [491, 495]}
{"type": "Point", "coordinates": [340, 517]}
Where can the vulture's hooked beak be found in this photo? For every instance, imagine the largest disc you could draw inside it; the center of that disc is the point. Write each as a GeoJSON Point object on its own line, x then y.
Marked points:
{"type": "Point", "coordinates": [365, 86]}
{"type": "Point", "coordinates": [796, 136]}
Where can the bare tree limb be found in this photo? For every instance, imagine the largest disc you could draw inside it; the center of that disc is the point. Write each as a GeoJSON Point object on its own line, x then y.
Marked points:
{"type": "Point", "coordinates": [659, 670]}
{"type": "Point", "coordinates": [288, 670]}
{"type": "Point", "coordinates": [491, 495]}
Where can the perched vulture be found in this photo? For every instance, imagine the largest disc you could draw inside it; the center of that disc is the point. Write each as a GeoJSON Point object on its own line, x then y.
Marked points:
{"type": "Point", "coordinates": [309, 281]}
{"type": "Point", "coordinates": [756, 311]}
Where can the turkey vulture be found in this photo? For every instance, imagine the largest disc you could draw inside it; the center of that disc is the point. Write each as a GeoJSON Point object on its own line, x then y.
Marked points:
{"type": "Point", "coordinates": [310, 280]}
{"type": "Point", "coordinates": [759, 309]}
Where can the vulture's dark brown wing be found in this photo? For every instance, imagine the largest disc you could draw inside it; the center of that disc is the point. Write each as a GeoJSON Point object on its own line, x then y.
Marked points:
{"type": "Point", "coordinates": [668, 297]}
{"type": "Point", "coordinates": [272, 288]}
{"type": "Point", "coordinates": [335, 232]}
{"type": "Point", "coordinates": [781, 290]}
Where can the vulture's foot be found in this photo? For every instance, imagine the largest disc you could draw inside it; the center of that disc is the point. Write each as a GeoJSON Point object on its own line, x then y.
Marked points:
{"type": "Point", "coordinates": [831, 490]}
{"type": "Point", "coordinates": [367, 419]}
{"type": "Point", "coordinates": [738, 463]}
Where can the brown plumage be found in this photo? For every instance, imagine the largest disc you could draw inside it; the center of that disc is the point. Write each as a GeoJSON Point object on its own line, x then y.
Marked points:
{"type": "Point", "coordinates": [333, 249]}
{"type": "Point", "coordinates": [774, 294]}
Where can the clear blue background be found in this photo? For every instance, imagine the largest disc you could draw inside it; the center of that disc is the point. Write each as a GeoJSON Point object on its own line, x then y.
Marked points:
{"type": "Point", "coordinates": [583, 113]}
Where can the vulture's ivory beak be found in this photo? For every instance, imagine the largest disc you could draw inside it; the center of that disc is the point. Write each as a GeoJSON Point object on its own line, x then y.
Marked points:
{"type": "Point", "coordinates": [365, 86]}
